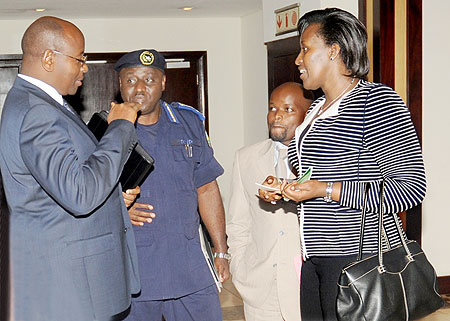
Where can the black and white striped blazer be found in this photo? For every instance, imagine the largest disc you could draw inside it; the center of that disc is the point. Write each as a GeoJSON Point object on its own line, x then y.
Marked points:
{"type": "Point", "coordinates": [367, 137]}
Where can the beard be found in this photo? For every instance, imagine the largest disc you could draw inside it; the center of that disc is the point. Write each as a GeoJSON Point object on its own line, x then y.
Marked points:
{"type": "Point", "coordinates": [278, 134]}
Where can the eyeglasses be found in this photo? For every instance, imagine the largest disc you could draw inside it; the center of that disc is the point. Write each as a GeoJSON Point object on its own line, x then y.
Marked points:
{"type": "Point", "coordinates": [81, 60]}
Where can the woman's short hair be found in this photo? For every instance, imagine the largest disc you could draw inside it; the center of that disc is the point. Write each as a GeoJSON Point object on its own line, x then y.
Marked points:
{"type": "Point", "coordinates": [343, 28]}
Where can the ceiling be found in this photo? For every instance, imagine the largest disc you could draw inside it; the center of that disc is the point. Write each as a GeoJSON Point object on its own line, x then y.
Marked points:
{"type": "Point", "coordinates": [24, 9]}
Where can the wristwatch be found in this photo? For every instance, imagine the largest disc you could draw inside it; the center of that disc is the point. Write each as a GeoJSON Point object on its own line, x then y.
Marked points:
{"type": "Point", "coordinates": [328, 192]}
{"type": "Point", "coordinates": [222, 255]}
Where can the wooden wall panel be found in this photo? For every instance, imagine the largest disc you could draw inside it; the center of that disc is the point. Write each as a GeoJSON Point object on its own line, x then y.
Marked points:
{"type": "Point", "coordinates": [401, 44]}
{"type": "Point", "coordinates": [387, 42]}
{"type": "Point", "coordinates": [414, 63]}
{"type": "Point", "coordinates": [281, 56]}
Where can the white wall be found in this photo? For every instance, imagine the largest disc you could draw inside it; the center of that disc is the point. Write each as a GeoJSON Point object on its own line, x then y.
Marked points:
{"type": "Point", "coordinates": [254, 79]}
{"type": "Point", "coordinates": [436, 145]}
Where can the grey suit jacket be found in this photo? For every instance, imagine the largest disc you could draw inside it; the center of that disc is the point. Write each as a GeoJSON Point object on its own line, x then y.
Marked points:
{"type": "Point", "coordinates": [71, 242]}
{"type": "Point", "coordinates": [263, 238]}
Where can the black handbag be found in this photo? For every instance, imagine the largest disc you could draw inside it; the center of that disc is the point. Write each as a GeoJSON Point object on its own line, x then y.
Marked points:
{"type": "Point", "coordinates": [398, 284]}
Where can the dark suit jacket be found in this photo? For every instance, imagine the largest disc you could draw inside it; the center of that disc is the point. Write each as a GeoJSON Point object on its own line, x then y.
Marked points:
{"type": "Point", "coordinates": [72, 245]}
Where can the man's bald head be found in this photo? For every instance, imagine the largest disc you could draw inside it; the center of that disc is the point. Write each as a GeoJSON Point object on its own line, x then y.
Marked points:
{"type": "Point", "coordinates": [297, 90]}
{"type": "Point", "coordinates": [53, 51]}
{"type": "Point", "coordinates": [287, 107]}
{"type": "Point", "coordinates": [47, 33]}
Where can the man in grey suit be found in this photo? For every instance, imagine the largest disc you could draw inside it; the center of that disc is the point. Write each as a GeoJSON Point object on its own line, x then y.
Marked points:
{"type": "Point", "coordinates": [72, 247]}
{"type": "Point", "coordinates": [263, 239]}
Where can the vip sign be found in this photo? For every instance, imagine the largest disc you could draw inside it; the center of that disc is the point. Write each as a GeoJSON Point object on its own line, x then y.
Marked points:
{"type": "Point", "coordinates": [286, 19]}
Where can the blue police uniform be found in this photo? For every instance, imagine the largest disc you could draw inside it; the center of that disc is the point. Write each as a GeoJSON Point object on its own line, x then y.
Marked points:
{"type": "Point", "coordinates": [171, 262]}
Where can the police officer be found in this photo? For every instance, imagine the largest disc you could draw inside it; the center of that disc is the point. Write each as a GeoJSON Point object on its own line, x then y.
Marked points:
{"type": "Point", "coordinates": [176, 281]}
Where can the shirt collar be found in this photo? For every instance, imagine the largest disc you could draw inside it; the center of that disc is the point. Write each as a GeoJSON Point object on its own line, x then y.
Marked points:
{"type": "Point", "coordinates": [49, 90]}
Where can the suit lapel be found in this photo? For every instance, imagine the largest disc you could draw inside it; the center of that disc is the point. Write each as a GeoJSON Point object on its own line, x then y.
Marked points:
{"type": "Point", "coordinates": [74, 116]}
{"type": "Point", "coordinates": [27, 86]}
{"type": "Point", "coordinates": [265, 163]}
{"type": "Point", "coordinates": [266, 156]}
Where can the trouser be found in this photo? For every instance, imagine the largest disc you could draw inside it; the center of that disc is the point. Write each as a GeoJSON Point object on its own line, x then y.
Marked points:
{"type": "Point", "coordinates": [197, 306]}
{"type": "Point", "coordinates": [318, 289]}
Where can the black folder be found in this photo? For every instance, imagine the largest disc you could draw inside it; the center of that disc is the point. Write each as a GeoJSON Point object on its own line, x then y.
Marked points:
{"type": "Point", "coordinates": [139, 163]}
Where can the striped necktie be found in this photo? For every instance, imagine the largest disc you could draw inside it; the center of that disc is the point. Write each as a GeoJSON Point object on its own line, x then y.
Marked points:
{"type": "Point", "coordinates": [68, 107]}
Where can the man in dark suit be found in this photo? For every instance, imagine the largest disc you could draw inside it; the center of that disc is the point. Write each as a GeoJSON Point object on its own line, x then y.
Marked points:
{"type": "Point", "coordinates": [73, 255]}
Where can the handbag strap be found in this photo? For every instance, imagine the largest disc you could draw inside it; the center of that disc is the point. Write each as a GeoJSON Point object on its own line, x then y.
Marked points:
{"type": "Point", "coordinates": [380, 225]}
{"type": "Point", "coordinates": [402, 238]}
{"type": "Point", "coordinates": [363, 221]}
{"type": "Point", "coordinates": [381, 267]}
{"type": "Point", "coordinates": [380, 228]}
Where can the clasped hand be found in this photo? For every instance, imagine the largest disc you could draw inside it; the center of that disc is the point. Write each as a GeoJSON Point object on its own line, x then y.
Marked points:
{"type": "Point", "coordinates": [293, 191]}
{"type": "Point", "coordinates": [139, 212]}
{"type": "Point", "coordinates": [127, 111]}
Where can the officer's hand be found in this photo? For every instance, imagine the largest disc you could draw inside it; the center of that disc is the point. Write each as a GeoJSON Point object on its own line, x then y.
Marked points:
{"type": "Point", "coordinates": [223, 268]}
{"type": "Point", "coordinates": [140, 213]}
{"type": "Point", "coordinates": [127, 111]}
{"type": "Point", "coordinates": [130, 196]}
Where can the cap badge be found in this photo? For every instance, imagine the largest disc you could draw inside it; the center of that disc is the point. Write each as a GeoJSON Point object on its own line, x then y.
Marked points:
{"type": "Point", "coordinates": [147, 58]}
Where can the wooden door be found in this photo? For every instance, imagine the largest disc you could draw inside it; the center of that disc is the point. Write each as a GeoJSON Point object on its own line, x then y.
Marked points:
{"type": "Point", "coordinates": [281, 61]}
{"type": "Point", "coordinates": [9, 68]}
{"type": "Point", "coordinates": [186, 82]}
{"type": "Point", "coordinates": [4, 254]}
{"type": "Point", "coordinates": [281, 55]}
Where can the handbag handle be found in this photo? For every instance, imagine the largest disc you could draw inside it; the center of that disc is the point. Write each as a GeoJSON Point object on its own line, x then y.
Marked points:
{"type": "Point", "coordinates": [381, 267]}
{"type": "Point", "coordinates": [363, 221]}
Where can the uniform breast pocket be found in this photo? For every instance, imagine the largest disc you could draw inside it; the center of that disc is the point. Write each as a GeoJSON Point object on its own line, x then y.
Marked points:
{"type": "Point", "coordinates": [186, 149]}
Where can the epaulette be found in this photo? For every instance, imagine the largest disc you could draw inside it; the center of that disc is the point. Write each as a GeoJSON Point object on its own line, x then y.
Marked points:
{"type": "Point", "coordinates": [170, 114]}
{"type": "Point", "coordinates": [187, 107]}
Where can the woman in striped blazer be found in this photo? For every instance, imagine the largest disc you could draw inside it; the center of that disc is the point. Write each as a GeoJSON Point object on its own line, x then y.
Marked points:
{"type": "Point", "coordinates": [357, 132]}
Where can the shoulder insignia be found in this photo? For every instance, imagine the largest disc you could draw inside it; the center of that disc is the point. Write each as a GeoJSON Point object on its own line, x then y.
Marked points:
{"type": "Point", "coordinates": [169, 112]}
{"type": "Point", "coordinates": [208, 139]}
{"type": "Point", "coordinates": [192, 109]}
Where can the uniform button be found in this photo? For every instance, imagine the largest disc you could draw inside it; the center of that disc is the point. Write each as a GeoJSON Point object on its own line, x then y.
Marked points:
{"type": "Point", "coordinates": [281, 233]}
{"type": "Point", "coordinates": [125, 229]}
{"type": "Point", "coordinates": [275, 265]}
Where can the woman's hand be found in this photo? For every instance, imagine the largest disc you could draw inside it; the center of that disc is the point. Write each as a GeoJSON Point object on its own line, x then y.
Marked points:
{"type": "Point", "coordinates": [305, 191]}
{"type": "Point", "coordinates": [269, 196]}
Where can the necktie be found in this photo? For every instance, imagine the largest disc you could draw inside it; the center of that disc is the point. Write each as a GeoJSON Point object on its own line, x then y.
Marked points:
{"type": "Point", "coordinates": [281, 168]}
{"type": "Point", "coordinates": [68, 107]}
